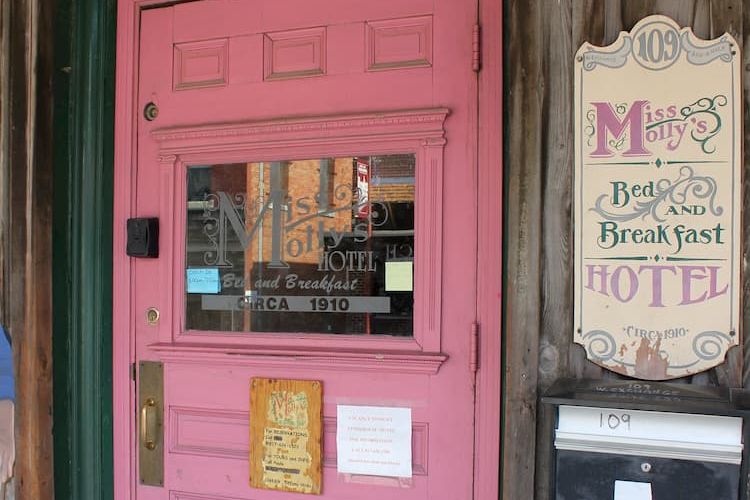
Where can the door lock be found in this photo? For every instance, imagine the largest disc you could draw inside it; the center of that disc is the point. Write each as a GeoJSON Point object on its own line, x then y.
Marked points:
{"type": "Point", "coordinates": [150, 111]}
{"type": "Point", "coordinates": [152, 316]}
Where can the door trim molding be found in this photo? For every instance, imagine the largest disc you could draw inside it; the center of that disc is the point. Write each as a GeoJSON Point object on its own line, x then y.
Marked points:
{"type": "Point", "coordinates": [83, 83]}
{"type": "Point", "coordinates": [128, 22]}
{"type": "Point", "coordinates": [421, 132]}
{"type": "Point", "coordinates": [487, 409]}
{"type": "Point", "coordinates": [372, 361]}
{"type": "Point", "coordinates": [421, 124]}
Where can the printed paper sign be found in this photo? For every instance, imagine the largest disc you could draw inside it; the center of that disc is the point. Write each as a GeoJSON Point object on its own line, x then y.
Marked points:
{"type": "Point", "coordinates": [374, 441]}
{"type": "Point", "coordinates": [203, 280]}
{"type": "Point", "coordinates": [657, 201]}
{"type": "Point", "coordinates": [629, 490]}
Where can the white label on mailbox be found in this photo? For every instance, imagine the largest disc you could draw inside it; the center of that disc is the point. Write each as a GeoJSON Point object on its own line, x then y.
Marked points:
{"type": "Point", "coordinates": [661, 434]}
{"type": "Point", "coordinates": [651, 425]}
{"type": "Point", "coordinates": [630, 490]}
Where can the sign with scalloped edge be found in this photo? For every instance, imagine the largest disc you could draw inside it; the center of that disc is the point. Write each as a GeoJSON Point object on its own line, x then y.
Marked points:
{"type": "Point", "coordinates": [657, 188]}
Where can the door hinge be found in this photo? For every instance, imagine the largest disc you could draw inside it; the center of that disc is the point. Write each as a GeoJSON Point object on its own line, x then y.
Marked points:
{"type": "Point", "coordinates": [132, 371]}
{"type": "Point", "coordinates": [474, 355]}
{"type": "Point", "coordinates": [476, 49]}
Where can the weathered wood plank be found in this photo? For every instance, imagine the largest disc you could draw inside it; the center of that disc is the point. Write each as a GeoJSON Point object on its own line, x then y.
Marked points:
{"type": "Point", "coordinates": [35, 370]}
{"type": "Point", "coordinates": [29, 255]}
{"type": "Point", "coordinates": [746, 204]}
{"type": "Point", "coordinates": [726, 17]}
{"type": "Point", "coordinates": [16, 243]}
{"type": "Point", "coordinates": [589, 21]}
{"type": "Point", "coordinates": [702, 19]}
{"type": "Point", "coordinates": [523, 79]}
{"type": "Point", "coordinates": [8, 491]}
{"type": "Point", "coordinates": [4, 154]}
{"type": "Point", "coordinates": [557, 158]}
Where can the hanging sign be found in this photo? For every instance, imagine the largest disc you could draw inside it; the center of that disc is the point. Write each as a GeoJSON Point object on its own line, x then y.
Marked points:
{"type": "Point", "coordinates": [657, 201]}
{"type": "Point", "coordinates": [285, 435]}
{"type": "Point", "coordinates": [363, 187]}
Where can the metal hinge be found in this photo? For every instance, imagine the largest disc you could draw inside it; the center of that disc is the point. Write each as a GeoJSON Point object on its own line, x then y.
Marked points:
{"type": "Point", "coordinates": [476, 49]}
{"type": "Point", "coordinates": [132, 371]}
{"type": "Point", "coordinates": [474, 355]}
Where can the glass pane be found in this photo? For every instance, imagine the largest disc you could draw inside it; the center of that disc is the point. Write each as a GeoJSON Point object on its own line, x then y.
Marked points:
{"type": "Point", "coordinates": [316, 246]}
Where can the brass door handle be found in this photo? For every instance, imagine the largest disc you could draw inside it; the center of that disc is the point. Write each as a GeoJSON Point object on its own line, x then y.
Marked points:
{"type": "Point", "coordinates": [148, 424]}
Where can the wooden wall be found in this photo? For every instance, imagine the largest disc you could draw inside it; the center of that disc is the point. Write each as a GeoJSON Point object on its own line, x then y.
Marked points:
{"type": "Point", "coordinates": [541, 39]}
{"type": "Point", "coordinates": [25, 233]}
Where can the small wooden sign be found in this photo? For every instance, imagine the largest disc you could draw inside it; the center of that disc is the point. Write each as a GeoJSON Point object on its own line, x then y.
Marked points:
{"type": "Point", "coordinates": [285, 435]}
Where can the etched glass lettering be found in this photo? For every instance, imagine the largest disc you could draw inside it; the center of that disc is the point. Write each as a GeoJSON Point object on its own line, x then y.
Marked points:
{"type": "Point", "coordinates": [301, 246]}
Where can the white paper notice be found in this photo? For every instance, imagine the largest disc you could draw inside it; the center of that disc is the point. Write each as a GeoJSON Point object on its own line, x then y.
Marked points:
{"type": "Point", "coordinates": [629, 490]}
{"type": "Point", "coordinates": [373, 440]}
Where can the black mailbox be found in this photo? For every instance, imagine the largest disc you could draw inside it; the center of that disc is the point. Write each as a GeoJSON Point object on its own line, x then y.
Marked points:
{"type": "Point", "coordinates": [632, 440]}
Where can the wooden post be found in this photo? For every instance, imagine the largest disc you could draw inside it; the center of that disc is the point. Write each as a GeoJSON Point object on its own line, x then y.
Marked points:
{"type": "Point", "coordinates": [26, 224]}
{"type": "Point", "coordinates": [524, 83]}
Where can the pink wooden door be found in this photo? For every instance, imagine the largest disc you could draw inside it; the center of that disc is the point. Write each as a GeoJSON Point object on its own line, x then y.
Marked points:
{"type": "Point", "coordinates": [312, 164]}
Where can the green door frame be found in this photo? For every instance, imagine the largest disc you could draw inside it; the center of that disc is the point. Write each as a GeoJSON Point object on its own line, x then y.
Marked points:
{"type": "Point", "coordinates": [84, 89]}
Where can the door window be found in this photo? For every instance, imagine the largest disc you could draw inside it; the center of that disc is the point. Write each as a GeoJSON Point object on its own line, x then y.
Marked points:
{"type": "Point", "coordinates": [313, 246]}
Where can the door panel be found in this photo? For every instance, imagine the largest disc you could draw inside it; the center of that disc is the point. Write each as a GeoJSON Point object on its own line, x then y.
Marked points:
{"type": "Point", "coordinates": [265, 109]}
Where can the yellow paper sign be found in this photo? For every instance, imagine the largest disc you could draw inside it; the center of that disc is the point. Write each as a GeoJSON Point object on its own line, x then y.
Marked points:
{"type": "Point", "coordinates": [399, 276]}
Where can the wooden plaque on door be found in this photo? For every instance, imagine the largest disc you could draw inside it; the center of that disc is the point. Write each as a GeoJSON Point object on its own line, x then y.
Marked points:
{"type": "Point", "coordinates": [285, 435]}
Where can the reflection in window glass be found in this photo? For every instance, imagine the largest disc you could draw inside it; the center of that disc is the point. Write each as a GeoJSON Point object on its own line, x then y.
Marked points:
{"type": "Point", "coordinates": [315, 246]}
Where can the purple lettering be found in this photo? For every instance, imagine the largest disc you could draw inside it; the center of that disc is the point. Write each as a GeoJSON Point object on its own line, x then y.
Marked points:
{"type": "Point", "coordinates": [616, 284]}
{"type": "Point", "coordinates": [656, 282]}
{"type": "Point", "coordinates": [607, 123]}
{"type": "Point", "coordinates": [689, 274]}
{"type": "Point", "coordinates": [602, 273]}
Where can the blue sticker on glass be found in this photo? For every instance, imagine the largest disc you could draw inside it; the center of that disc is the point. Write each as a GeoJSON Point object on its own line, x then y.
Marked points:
{"type": "Point", "coordinates": [203, 280]}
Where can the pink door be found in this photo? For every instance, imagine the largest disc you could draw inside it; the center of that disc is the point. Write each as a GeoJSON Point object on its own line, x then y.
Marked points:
{"type": "Point", "coordinates": [312, 166]}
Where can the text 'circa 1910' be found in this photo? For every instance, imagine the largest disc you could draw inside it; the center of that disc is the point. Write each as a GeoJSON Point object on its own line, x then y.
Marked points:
{"type": "Point", "coordinates": [657, 201]}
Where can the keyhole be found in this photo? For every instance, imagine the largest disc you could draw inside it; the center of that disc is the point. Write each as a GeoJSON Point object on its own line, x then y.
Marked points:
{"type": "Point", "coordinates": [152, 315]}
{"type": "Point", "coordinates": [151, 111]}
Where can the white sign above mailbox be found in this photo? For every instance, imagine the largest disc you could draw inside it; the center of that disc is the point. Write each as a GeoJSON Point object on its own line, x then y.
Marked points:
{"type": "Point", "coordinates": [657, 201]}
